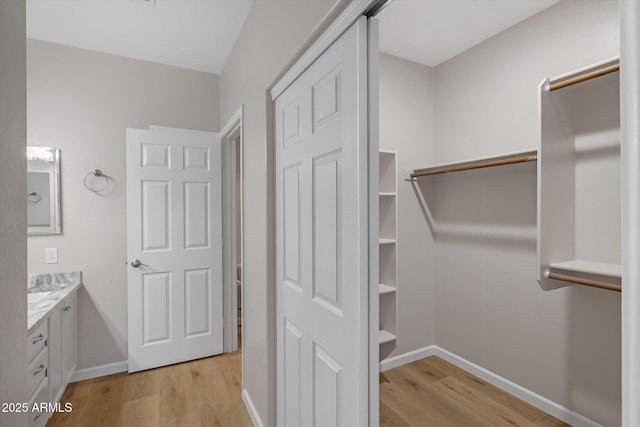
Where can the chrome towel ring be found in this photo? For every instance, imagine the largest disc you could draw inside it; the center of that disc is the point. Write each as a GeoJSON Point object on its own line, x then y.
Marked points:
{"type": "Point", "coordinates": [33, 197]}
{"type": "Point", "coordinates": [99, 174]}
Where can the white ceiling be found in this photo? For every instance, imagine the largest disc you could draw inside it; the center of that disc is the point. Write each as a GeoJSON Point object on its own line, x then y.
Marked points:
{"type": "Point", "coordinates": [193, 34]}
{"type": "Point", "coordinates": [431, 31]}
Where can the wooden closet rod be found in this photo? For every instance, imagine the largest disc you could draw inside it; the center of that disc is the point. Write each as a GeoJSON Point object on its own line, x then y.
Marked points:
{"type": "Point", "coordinates": [476, 165]}
{"type": "Point", "coordinates": [581, 281]}
{"type": "Point", "coordinates": [582, 77]}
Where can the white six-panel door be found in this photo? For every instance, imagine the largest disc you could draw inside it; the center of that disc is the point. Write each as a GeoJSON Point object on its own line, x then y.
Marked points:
{"type": "Point", "coordinates": [322, 240]}
{"type": "Point", "coordinates": [174, 227]}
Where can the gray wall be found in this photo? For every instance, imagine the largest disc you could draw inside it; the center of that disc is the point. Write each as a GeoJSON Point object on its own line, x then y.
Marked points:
{"type": "Point", "coordinates": [81, 102]}
{"type": "Point", "coordinates": [272, 35]}
{"type": "Point", "coordinates": [407, 113]}
{"type": "Point", "coordinates": [13, 213]}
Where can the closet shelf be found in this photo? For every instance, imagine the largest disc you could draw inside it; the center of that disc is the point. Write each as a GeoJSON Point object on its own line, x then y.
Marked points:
{"type": "Point", "coordinates": [483, 162]}
{"type": "Point", "coordinates": [589, 267]}
{"type": "Point", "coordinates": [385, 289]}
{"type": "Point", "coordinates": [386, 241]}
{"type": "Point", "coordinates": [385, 337]}
{"type": "Point", "coordinates": [384, 194]}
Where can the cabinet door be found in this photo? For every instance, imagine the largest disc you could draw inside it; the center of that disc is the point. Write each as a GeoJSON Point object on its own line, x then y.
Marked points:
{"type": "Point", "coordinates": [55, 355]}
{"type": "Point", "coordinates": [68, 323]}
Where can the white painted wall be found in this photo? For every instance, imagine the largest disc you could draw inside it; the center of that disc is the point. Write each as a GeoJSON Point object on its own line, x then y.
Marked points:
{"type": "Point", "coordinates": [82, 102]}
{"type": "Point", "coordinates": [562, 344]}
{"type": "Point", "coordinates": [407, 114]}
{"type": "Point", "coordinates": [272, 36]}
{"type": "Point", "coordinates": [13, 210]}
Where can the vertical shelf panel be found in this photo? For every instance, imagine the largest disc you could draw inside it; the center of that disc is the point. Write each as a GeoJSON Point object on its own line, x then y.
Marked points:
{"type": "Point", "coordinates": [579, 188]}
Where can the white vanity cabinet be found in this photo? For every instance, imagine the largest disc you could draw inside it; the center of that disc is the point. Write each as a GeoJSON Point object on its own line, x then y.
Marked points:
{"type": "Point", "coordinates": [52, 359]}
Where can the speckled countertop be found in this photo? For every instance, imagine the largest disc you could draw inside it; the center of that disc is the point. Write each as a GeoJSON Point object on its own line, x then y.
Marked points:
{"type": "Point", "coordinates": [61, 285]}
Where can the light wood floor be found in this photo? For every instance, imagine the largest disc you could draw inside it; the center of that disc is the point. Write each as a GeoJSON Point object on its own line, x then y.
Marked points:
{"type": "Point", "coordinates": [206, 392]}
{"type": "Point", "coordinates": [433, 392]}
{"type": "Point", "coordinates": [200, 393]}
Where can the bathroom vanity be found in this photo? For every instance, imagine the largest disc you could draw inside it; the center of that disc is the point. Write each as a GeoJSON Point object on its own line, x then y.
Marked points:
{"type": "Point", "coordinates": [51, 347]}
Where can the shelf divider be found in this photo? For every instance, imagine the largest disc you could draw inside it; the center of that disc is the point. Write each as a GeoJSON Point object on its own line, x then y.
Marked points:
{"type": "Point", "coordinates": [385, 289]}
{"type": "Point", "coordinates": [385, 337]}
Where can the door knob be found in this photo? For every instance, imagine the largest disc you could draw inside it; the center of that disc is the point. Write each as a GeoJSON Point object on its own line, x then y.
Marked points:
{"type": "Point", "coordinates": [136, 263]}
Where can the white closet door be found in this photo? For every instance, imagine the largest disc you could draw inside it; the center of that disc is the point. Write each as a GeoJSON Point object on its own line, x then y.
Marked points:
{"type": "Point", "coordinates": [322, 240]}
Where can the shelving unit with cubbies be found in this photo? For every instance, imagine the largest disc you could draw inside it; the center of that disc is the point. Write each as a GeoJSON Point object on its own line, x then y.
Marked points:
{"type": "Point", "coordinates": [387, 289]}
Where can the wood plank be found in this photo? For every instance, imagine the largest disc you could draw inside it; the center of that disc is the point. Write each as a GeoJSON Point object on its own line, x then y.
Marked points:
{"type": "Point", "coordinates": [101, 406]}
{"type": "Point", "coordinates": [519, 406]}
{"type": "Point", "coordinates": [390, 418]}
{"type": "Point", "coordinates": [179, 399]}
{"type": "Point", "coordinates": [78, 389]}
{"type": "Point", "coordinates": [141, 412]}
{"type": "Point", "coordinates": [419, 393]}
{"type": "Point", "coordinates": [142, 384]}
{"type": "Point", "coordinates": [435, 392]}
{"type": "Point", "coordinates": [482, 406]}
{"type": "Point", "coordinates": [425, 371]}
{"type": "Point", "coordinates": [204, 392]}
{"type": "Point", "coordinates": [236, 416]}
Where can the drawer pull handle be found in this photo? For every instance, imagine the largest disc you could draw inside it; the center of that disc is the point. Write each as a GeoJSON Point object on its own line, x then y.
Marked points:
{"type": "Point", "coordinates": [67, 308]}
{"type": "Point", "coordinates": [38, 416]}
{"type": "Point", "coordinates": [40, 369]}
{"type": "Point", "coordinates": [38, 339]}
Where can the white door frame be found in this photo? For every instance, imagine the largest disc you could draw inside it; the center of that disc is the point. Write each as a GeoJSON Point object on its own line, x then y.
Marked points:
{"type": "Point", "coordinates": [630, 155]}
{"type": "Point", "coordinates": [231, 132]}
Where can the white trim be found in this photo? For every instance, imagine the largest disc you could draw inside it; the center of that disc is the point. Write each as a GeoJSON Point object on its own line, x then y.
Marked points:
{"type": "Point", "coordinates": [630, 165]}
{"type": "Point", "coordinates": [234, 122]}
{"type": "Point", "coordinates": [99, 371]}
{"type": "Point", "coordinates": [406, 358]}
{"type": "Point", "coordinates": [342, 23]}
{"type": "Point", "coordinates": [532, 398]}
{"type": "Point", "coordinates": [251, 409]}
{"type": "Point", "coordinates": [374, 226]}
{"type": "Point", "coordinates": [230, 131]}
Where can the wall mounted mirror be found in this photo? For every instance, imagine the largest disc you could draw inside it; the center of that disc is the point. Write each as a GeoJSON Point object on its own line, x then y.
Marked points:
{"type": "Point", "coordinates": [43, 191]}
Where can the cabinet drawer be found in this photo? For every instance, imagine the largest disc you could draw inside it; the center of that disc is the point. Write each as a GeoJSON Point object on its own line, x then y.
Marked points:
{"type": "Point", "coordinates": [39, 418]}
{"type": "Point", "coordinates": [37, 340]}
{"type": "Point", "coordinates": [37, 370]}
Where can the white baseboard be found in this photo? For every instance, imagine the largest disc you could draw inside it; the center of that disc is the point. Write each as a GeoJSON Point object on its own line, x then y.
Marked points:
{"type": "Point", "coordinates": [251, 409]}
{"type": "Point", "coordinates": [99, 371]}
{"type": "Point", "coordinates": [405, 358]}
{"type": "Point", "coordinates": [540, 402]}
